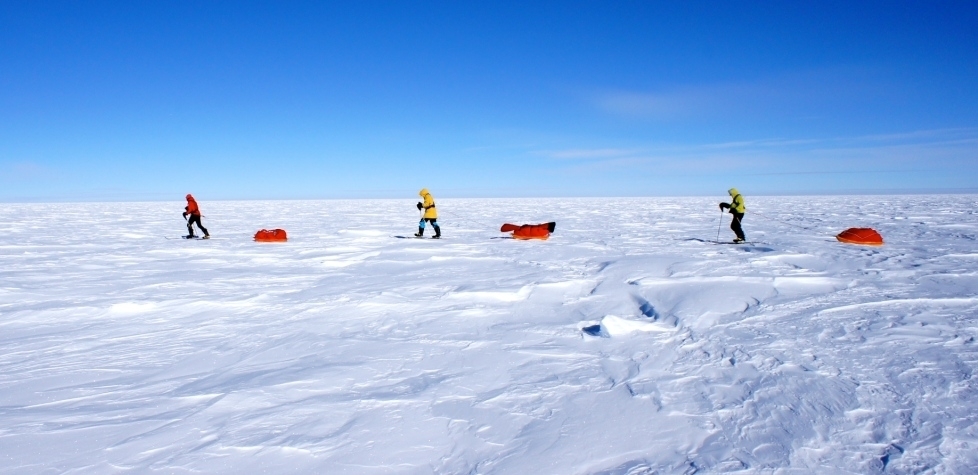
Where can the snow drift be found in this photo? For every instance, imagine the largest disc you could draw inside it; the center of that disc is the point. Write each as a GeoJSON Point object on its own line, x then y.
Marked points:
{"type": "Point", "coordinates": [349, 351]}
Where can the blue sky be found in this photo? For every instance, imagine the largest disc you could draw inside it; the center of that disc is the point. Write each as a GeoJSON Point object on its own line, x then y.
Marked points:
{"type": "Point", "coordinates": [268, 100]}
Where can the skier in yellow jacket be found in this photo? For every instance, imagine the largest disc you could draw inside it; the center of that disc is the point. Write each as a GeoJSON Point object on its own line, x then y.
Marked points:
{"type": "Point", "coordinates": [430, 214]}
{"type": "Point", "coordinates": [737, 209]}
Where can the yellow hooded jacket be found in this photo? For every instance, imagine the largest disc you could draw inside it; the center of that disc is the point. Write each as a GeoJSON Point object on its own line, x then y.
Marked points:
{"type": "Point", "coordinates": [737, 204]}
{"type": "Point", "coordinates": [429, 204]}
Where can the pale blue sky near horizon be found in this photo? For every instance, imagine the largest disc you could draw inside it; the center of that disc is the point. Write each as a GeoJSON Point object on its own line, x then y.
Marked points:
{"type": "Point", "coordinates": [144, 100]}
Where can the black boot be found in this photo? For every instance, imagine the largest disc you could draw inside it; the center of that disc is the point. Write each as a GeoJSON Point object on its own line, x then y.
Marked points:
{"type": "Point", "coordinates": [419, 233]}
{"type": "Point", "coordinates": [437, 233]}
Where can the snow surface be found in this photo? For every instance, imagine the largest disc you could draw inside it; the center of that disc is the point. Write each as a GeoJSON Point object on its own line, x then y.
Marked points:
{"type": "Point", "coordinates": [347, 350]}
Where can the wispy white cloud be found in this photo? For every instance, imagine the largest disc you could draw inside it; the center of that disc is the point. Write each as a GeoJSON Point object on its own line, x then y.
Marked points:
{"type": "Point", "coordinates": [683, 102]}
{"type": "Point", "coordinates": [680, 103]}
{"type": "Point", "coordinates": [21, 171]}
{"type": "Point", "coordinates": [800, 92]}
{"type": "Point", "coordinates": [765, 143]}
{"type": "Point", "coordinates": [916, 150]}
{"type": "Point", "coordinates": [966, 134]}
{"type": "Point", "coordinates": [584, 153]}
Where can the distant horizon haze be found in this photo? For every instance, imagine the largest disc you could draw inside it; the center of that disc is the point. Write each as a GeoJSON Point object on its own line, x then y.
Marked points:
{"type": "Point", "coordinates": [410, 199]}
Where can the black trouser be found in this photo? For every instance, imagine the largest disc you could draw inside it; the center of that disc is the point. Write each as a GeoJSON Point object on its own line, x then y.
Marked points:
{"type": "Point", "coordinates": [195, 218]}
{"type": "Point", "coordinates": [735, 225]}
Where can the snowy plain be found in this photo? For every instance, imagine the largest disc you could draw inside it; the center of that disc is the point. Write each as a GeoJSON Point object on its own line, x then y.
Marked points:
{"type": "Point", "coordinates": [349, 350]}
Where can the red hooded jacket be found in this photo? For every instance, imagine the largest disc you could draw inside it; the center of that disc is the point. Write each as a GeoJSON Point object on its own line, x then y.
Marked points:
{"type": "Point", "coordinates": [192, 206]}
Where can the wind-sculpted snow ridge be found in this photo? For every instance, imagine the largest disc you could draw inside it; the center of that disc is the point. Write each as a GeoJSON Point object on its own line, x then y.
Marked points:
{"type": "Point", "coordinates": [625, 344]}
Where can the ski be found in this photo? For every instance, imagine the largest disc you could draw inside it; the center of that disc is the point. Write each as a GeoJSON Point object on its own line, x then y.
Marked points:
{"type": "Point", "coordinates": [710, 241]}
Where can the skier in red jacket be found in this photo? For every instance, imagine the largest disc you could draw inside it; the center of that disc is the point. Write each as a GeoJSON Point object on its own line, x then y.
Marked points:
{"type": "Point", "coordinates": [194, 213]}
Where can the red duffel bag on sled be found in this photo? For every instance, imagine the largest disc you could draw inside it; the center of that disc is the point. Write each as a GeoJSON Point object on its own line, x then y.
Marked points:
{"type": "Point", "coordinates": [529, 231]}
{"type": "Point", "coordinates": [863, 236]}
{"type": "Point", "coordinates": [274, 235]}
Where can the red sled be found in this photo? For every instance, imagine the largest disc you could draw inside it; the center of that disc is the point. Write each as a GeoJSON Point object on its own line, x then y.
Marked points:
{"type": "Point", "coordinates": [863, 236]}
{"type": "Point", "coordinates": [274, 235]}
{"type": "Point", "coordinates": [529, 231]}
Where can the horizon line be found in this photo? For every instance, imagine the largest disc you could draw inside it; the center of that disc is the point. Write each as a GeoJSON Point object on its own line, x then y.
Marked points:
{"type": "Point", "coordinates": [179, 198]}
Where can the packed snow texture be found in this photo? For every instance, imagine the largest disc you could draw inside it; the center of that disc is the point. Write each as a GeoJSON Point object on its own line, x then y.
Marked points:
{"type": "Point", "coordinates": [628, 343]}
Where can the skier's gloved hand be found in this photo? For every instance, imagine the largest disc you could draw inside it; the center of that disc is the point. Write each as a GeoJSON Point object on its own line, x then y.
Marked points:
{"type": "Point", "coordinates": [724, 205]}
{"type": "Point", "coordinates": [420, 205]}
{"type": "Point", "coordinates": [184, 215]}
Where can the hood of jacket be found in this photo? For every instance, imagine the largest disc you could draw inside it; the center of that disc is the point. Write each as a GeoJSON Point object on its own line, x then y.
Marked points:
{"type": "Point", "coordinates": [733, 192]}
{"type": "Point", "coordinates": [190, 197]}
{"type": "Point", "coordinates": [424, 191]}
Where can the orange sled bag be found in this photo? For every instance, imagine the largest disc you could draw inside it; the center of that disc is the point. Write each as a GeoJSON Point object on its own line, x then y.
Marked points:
{"type": "Point", "coordinates": [275, 235]}
{"type": "Point", "coordinates": [864, 236]}
{"type": "Point", "coordinates": [529, 231]}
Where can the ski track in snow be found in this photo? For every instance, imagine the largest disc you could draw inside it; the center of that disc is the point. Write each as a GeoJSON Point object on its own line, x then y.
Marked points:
{"type": "Point", "coordinates": [348, 351]}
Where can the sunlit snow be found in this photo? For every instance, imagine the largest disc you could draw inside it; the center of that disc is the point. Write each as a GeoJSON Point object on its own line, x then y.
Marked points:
{"type": "Point", "coordinates": [625, 344]}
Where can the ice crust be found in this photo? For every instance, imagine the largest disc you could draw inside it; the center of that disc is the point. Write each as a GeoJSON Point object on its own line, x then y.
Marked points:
{"type": "Point", "coordinates": [347, 350]}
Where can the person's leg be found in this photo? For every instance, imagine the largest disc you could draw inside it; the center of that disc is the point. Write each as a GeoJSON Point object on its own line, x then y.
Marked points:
{"type": "Point", "coordinates": [735, 226]}
{"type": "Point", "coordinates": [420, 228]}
{"type": "Point", "coordinates": [190, 224]}
{"type": "Point", "coordinates": [434, 224]}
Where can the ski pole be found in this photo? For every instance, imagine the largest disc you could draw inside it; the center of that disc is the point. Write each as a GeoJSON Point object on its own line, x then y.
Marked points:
{"type": "Point", "coordinates": [719, 225]}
